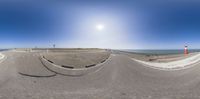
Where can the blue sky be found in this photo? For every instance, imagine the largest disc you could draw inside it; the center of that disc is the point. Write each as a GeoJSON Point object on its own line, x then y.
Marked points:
{"type": "Point", "coordinates": [127, 24]}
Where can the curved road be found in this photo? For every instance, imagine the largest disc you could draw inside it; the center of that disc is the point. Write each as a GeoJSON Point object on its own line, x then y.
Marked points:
{"type": "Point", "coordinates": [120, 78]}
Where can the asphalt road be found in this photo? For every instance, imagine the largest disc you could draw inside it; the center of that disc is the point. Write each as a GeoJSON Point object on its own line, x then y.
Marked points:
{"type": "Point", "coordinates": [120, 78]}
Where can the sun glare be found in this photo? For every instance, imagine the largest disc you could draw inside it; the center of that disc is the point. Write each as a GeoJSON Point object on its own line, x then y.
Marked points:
{"type": "Point", "coordinates": [99, 27]}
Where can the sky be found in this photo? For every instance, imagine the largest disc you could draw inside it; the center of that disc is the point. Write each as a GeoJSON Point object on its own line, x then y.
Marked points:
{"type": "Point", "coordinates": [124, 24]}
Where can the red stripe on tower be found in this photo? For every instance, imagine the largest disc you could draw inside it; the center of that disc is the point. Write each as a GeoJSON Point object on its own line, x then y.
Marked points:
{"type": "Point", "coordinates": [186, 50]}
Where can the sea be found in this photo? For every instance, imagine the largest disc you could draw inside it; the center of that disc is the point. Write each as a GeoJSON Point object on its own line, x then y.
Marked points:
{"type": "Point", "coordinates": [160, 52]}
{"type": "Point", "coordinates": [3, 50]}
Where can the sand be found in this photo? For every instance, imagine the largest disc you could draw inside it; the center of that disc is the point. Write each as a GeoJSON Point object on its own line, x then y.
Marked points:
{"type": "Point", "coordinates": [77, 58]}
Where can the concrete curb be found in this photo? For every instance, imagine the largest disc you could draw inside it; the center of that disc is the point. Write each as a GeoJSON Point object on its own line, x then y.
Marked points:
{"type": "Point", "coordinates": [68, 71]}
{"type": "Point", "coordinates": [175, 65]}
{"type": "Point", "coordinates": [169, 69]}
{"type": "Point", "coordinates": [1, 56]}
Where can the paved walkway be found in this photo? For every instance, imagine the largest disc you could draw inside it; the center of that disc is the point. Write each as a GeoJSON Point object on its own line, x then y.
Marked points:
{"type": "Point", "coordinates": [174, 65]}
{"type": "Point", "coordinates": [120, 78]}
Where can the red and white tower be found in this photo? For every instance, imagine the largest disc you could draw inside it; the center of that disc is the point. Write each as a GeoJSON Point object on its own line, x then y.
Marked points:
{"type": "Point", "coordinates": [186, 50]}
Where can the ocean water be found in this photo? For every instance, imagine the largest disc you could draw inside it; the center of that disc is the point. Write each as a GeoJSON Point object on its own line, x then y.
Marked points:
{"type": "Point", "coordinates": [3, 50]}
{"type": "Point", "coordinates": [161, 52]}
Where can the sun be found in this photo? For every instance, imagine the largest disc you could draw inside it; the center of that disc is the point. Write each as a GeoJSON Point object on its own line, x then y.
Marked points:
{"type": "Point", "coordinates": [99, 27]}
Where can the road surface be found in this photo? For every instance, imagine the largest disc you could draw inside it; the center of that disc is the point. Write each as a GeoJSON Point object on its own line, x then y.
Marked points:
{"type": "Point", "coordinates": [120, 78]}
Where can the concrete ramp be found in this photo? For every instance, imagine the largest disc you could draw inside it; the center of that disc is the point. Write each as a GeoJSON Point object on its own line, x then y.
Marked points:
{"type": "Point", "coordinates": [174, 65]}
{"type": "Point", "coordinates": [2, 57]}
{"type": "Point", "coordinates": [68, 71]}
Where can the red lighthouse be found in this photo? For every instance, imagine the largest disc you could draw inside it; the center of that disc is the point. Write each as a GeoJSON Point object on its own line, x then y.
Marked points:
{"type": "Point", "coordinates": [186, 50]}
